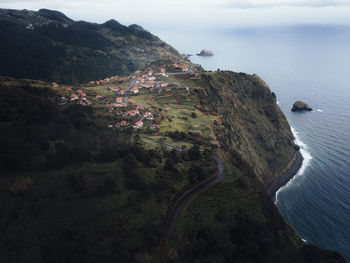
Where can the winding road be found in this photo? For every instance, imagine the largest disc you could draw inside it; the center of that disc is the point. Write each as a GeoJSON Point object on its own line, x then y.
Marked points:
{"type": "Point", "coordinates": [185, 199]}
{"type": "Point", "coordinates": [131, 84]}
{"type": "Point", "coordinates": [163, 143]}
{"type": "Point", "coordinates": [179, 73]}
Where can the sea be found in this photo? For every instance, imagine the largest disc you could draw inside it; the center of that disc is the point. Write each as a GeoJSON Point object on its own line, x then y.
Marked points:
{"type": "Point", "coordinates": [309, 63]}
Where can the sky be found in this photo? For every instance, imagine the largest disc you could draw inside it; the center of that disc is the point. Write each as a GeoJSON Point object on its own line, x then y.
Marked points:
{"type": "Point", "coordinates": [193, 14]}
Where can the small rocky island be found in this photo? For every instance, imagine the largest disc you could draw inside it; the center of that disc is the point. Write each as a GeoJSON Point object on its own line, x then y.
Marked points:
{"type": "Point", "coordinates": [205, 53]}
{"type": "Point", "coordinates": [301, 106]}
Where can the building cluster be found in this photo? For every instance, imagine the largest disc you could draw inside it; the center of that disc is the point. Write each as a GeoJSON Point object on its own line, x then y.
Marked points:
{"type": "Point", "coordinates": [106, 80]}
{"type": "Point", "coordinates": [140, 80]}
{"type": "Point", "coordinates": [183, 68]}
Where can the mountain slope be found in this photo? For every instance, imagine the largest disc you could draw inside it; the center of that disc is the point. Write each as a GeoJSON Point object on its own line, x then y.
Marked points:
{"type": "Point", "coordinates": [49, 46]}
{"type": "Point", "coordinates": [81, 182]}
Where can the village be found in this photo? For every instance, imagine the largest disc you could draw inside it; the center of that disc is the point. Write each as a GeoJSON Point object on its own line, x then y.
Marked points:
{"type": "Point", "coordinates": [113, 94]}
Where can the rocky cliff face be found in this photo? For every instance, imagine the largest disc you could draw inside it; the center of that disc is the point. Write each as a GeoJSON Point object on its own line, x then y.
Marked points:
{"type": "Point", "coordinates": [236, 221]}
{"type": "Point", "coordinates": [255, 128]}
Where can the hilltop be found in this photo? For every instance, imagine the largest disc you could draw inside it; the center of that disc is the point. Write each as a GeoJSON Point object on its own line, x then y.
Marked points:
{"type": "Point", "coordinates": [49, 46]}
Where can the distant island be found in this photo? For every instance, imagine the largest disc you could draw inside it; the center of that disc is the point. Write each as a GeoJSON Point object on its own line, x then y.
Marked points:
{"type": "Point", "coordinates": [205, 53]}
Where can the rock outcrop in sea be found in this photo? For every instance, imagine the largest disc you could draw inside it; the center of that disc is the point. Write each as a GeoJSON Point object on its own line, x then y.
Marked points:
{"type": "Point", "coordinates": [206, 53]}
{"type": "Point", "coordinates": [301, 106]}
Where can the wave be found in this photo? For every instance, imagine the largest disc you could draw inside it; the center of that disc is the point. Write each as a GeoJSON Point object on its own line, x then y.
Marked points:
{"type": "Point", "coordinates": [319, 110]}
{"type": "Point", "coordinates": [277, 102]}
{"type": "Point", "coordinates": [306, 162]}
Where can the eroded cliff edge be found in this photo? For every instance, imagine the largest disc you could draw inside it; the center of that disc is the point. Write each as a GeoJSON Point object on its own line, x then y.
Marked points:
{"type": "Point", "coordinates": [256, 130]}
{"type": "Point", "coordinates": [236, 220]}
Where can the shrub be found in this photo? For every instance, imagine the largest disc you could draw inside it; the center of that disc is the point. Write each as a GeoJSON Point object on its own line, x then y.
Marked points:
{"type": "Point", "coordinates": [169, 165]}
{"type": "Point", "coordinates": [194, 153]}
{"type": "Point", "coordinates": [21, 185]}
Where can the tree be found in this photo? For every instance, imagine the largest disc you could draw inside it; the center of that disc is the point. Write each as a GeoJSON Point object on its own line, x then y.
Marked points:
{"type": "Point", "coordinates": [196, 174]}
{"type": "Point", "coordinates": [137, 139]}
{"type": "Point", "coordinates": [194, 153]}
{"type": "Point", "coordinates": [169, 165]}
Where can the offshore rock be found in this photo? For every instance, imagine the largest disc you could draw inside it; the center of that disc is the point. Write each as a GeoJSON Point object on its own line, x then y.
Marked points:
{"type": "Point", "coordinates": [301, 106]}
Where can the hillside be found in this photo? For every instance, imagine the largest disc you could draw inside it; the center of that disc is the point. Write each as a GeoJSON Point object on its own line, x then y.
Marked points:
{"type": "Point", "coordinates": [49, 46]}
{"type": "Point", "coordinates": [93, 172]}
{"type": "Point", "coordinates": [119, 183]}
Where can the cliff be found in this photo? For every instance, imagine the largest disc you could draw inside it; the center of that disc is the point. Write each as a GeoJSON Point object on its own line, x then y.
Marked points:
{"type": "Point", "coordinates": [236, 220]}
{"type": "Point", "coordinates": [80, 182]}
{"type": "Point", "coordinates": [255, 128]}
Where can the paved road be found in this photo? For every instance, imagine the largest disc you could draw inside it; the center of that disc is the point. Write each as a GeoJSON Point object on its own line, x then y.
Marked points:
{"type": "Point", "coordinates": [131, 84]}
{"type": "Point", "coordinates": [180, 73]}
{"type": "Point", "coordinates": [185, 199]}
{"type": "Point", "coordinates": [175, 212]}
{"type": "Point", "coordinates": [164, 144]}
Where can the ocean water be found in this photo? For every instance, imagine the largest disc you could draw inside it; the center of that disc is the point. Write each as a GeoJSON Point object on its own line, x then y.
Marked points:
{"type": "Point", "coordinates": [309, 63]}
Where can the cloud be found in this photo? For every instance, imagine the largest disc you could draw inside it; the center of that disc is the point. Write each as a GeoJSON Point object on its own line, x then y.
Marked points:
{"type": "Point", "coordinates": [196, 14]}
{"type": "Point", "coordinates": [284, 3]}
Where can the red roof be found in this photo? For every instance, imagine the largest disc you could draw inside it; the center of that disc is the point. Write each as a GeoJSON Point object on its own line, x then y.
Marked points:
{"type": "Point", "coordinates": [133, 111]}
{"type": "Point", "coordinates": [113, 88]}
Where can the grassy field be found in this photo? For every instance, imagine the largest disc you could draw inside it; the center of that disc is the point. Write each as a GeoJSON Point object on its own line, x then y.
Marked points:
{"type": "Point", "coordinates": [178, 108]}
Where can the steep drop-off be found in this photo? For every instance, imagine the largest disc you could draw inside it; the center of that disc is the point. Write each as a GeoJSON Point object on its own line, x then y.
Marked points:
{"type": "Point", "coordinates": [255, 128]}
{"type": "Point", "coordinates": [236, 220]}
{"type": "Point", "coordinates": [75, 187]}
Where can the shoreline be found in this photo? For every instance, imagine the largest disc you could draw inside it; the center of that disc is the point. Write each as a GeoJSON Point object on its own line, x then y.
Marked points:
{"type": "Point", "coordinates": [287, 175]}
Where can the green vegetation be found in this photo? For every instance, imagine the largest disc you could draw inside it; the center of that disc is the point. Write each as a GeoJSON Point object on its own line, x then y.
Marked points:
{"type": "Point", "coordinates": [47, 45]}
{"type": "Point", "coordinates": [249, 114]}
{"type": "Point", "coordinates": [235, 221]}
{"type": "Point", "coordinates": [75, 188]}
{"type": "Point", "coordinates": [177, 106]}
{"type": "Point", "coordinates": [117, 190]}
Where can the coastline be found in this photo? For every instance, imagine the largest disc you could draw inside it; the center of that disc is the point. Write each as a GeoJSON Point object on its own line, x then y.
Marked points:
{"type": "Point", "coordinates": [286, 175]}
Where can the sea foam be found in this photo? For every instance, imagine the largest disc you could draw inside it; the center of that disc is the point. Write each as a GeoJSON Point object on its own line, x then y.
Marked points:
{"type": "Point", "coordinates": [319, 110]}
{"type": "Point", "coordinates": [306, 162]}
